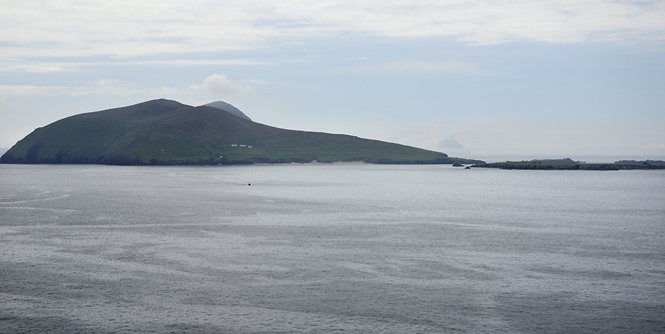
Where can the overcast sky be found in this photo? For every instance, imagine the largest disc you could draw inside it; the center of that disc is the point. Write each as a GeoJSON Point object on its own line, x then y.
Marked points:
{"type": "Point", "coordinates": [478, 79]}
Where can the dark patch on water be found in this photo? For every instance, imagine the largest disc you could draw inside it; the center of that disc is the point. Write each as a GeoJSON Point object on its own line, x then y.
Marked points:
{"type": "Point", "coordinates": [571, 313]}
{"type": "Point", "coordinates": [47, 324]}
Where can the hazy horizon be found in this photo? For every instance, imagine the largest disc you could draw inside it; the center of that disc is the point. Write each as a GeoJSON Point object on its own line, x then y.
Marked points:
{"type": "Point", "coordinates": [545, 79]}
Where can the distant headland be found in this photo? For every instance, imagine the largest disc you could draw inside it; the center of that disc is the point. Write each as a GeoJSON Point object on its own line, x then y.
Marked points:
{"type": "Point", "coordinates": [166, 132]}
{"type": "Point", "coordinates": [569, 164]}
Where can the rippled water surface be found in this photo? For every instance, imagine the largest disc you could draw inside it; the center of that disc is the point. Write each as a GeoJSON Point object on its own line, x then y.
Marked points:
{"type": "Point", "coordinates": [330, 249]}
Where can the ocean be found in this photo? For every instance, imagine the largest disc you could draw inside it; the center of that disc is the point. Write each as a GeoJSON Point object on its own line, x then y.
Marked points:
{"type": "Point", "coordinates": [323, 248]}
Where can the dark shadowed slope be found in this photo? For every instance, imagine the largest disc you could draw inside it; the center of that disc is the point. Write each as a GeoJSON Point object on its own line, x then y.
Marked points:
{"type": "Point", "coordinates": [170, 133]}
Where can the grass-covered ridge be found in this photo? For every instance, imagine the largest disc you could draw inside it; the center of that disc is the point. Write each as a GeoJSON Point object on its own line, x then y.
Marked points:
{"type": "Point", "coordinates": [164, 132]}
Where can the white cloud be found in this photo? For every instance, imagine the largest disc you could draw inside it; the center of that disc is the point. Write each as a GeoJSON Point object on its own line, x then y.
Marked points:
{"type": "Point", "coordinates": [4, 104]}
{"type": "Point", "coordinates": [216, 84]}
{"type": "Point", "coordinates": [107, 87]}
{"type": "Point", "coordinates": [220, 84]}
{"type": "Point", "coordinates": [195, 62]}
{"type": "Point", "coordinates": [428, 67]}
{"type": "Point", "coordinates": [35, 68]}
{"type": "Point", "coordinates": [51, 67]}
{"type": "Point", "coordinates": [419, 67]}
{"type": "Point", "coordinates": [255, 82]}
{"type": "Point", "coordinates": [27, 90]}
{"type": "Point", "coordinates": [128, 28]}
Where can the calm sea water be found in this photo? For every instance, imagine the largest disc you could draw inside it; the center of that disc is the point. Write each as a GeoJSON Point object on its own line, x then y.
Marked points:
{"type": "Point", "coordinates": [330, 249]}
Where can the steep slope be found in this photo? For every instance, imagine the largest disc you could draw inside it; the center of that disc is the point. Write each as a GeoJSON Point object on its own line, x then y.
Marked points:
{"type": "Point", "coordinates": [167, 132]}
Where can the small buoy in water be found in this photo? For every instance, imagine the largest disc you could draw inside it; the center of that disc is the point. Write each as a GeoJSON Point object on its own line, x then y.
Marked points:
{"type": "Point", "coordinates": [249, 184]}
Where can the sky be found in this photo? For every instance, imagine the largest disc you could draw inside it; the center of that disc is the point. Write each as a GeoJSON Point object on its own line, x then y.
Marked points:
{"type": "Point", "coordinates": [485, 79]}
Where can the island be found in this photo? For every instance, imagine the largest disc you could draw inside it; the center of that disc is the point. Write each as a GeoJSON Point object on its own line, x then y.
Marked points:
{"type": "Point", "coordinates": [166, 132]}
{"type": "Point", "coordinates": [569, 164]}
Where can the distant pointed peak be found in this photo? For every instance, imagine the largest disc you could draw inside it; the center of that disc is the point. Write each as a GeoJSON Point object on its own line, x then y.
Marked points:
{"type": "Point", "coordinates": [228, 108]}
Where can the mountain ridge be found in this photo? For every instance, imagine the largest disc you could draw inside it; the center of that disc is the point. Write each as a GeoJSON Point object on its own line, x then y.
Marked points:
{"type": "Point", "coordinates": [166, 132]}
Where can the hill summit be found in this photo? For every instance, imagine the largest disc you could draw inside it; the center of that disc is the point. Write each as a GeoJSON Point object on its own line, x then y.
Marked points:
{"type": "Point", "coordinates": [165, 132]}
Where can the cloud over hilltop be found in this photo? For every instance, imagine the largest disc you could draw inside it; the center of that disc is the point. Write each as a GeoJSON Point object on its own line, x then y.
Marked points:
{"type": "Point", "coordinates": [220, 84]}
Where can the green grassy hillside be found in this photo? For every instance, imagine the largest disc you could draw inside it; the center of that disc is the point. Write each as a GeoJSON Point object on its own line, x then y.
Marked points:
{"type": "Point", "coordinates": [166, 132]}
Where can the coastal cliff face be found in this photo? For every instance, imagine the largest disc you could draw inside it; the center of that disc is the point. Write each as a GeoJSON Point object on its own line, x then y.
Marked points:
{"type": "Point", "coordinates": [164, 132]}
